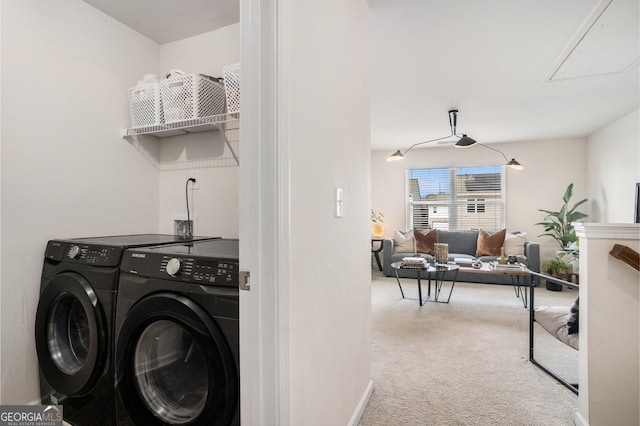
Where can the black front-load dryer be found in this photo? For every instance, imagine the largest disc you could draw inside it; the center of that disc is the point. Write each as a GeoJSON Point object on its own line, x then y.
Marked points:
{"type": "Point", "coordinates": [74, 323]}
{"type": "Point", "coordinates": [177, 335]}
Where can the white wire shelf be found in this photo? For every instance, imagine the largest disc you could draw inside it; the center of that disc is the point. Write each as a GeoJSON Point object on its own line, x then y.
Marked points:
{"type": "Point", "coordinates": [220, 122]}
{"type": "Point", "coordinates": [194, 125]}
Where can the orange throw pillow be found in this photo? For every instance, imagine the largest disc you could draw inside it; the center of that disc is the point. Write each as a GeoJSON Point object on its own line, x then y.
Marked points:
{"type": "Point", "coordinates": [425, 242]}
{"type": "Point", "coordinates": [490, 245]}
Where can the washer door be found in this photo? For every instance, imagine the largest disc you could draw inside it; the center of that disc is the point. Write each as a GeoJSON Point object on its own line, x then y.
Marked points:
{"type": "Point", "coordinates": [71, 339]}
{"type": "Point", "coordinates": [174, 365]}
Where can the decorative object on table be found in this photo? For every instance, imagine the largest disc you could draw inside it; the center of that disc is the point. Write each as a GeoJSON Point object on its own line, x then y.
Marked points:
{"type": "Point", "coordinates": [414, 262]}
{"type": "Point", "coordinates": [512, 260]}
{"type": "Point", "coordinates": [502, 259]}
{"type": "Point", "coordinates": [558, 269]}
{"type": "Point", "coordinates": [441, 252]}
{"type": "Point", "coordinates": [504, 266]}
{"type": "Point", "coordinates": [463, 261]}
{"type": "Point", "coordinates": [558, 224]}
{"type": "Point", "coordinates": [377, 228]}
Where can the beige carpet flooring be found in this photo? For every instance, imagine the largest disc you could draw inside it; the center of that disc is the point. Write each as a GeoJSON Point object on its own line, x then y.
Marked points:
{"type": "Point", "coordinates": [466, 362]}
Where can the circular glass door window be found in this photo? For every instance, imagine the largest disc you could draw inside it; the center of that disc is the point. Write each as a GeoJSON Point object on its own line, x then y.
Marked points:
{"type": "Point", "coordinates": [171, 372]}
{"type": "Point", "coordinates": [68, 334]}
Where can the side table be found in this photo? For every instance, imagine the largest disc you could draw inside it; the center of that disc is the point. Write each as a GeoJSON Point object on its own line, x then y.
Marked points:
{"type": "Point", "coordinates": [376, 251]}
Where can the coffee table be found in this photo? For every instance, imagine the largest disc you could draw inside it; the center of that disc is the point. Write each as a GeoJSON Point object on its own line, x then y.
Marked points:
{"type": "Point", "coordinates": [437, 271]}
{"type": "Point", "coordinates": [518, 277]}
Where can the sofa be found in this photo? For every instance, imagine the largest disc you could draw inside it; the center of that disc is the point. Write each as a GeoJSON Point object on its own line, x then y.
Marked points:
{"type": "Point", "coordinates": [462, 244]}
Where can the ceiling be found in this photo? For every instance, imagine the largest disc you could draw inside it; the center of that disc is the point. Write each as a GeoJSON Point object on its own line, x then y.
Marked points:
{"type": "Point", "coordinates": [516, 71]}
{"type": "Point", "coordinates": [164, 21]}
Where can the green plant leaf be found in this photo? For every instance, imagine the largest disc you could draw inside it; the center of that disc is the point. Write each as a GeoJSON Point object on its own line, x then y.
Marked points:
{"type": "Point", "coordinates": [568, 193]}
{"type": "Point", "coordinates": [558, 225]}
{"type": "Point", "coordinates": [572, 217]}
{"type": "Point", "coordinates": [578, 204]}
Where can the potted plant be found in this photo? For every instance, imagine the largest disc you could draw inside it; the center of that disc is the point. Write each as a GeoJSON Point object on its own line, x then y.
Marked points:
{"type": "Point", "coordinates": [558, 224]}
{"type": "Point", "coordinates": [556, 268]}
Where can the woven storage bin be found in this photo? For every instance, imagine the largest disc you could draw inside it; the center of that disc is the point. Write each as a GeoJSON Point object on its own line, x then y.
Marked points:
{"type": "Point", "coordinates": [232, 87]}
{"type": "Point", "coordinates": [145, 105]}
{"type": "Point", "coordinates": [191, 96]}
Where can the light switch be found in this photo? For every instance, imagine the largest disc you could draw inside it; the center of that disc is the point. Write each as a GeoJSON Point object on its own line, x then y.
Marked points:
{"type": "Point", "coordinates": [339, 201]}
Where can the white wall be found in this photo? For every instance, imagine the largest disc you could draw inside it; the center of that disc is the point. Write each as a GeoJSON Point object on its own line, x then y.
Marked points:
{"type": "Point", "coordinates": [65, 170]}
{"type": "Point", "coordinates": [0, 191]}
{"type": "Point", "coordinates": [549, 166]}
{"type": "Point", "coordinates": [323, 65]}
{"type": "Point", "coordinates": [614, 169]}
{"type": "Point", "coordinates": [609, 327]}
{"type": "Point", "coordinates": [216, 203]}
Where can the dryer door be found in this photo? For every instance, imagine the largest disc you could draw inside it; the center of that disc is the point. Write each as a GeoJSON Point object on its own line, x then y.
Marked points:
{"type": "Point", "coordinates": [174, 365]}
{"type": "Point", "coordinates": [70, 332]}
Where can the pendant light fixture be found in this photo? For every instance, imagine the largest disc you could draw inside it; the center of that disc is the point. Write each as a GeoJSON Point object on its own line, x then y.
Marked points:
{"type": "Point", "coordinates": [463, 141]}
{"type": "Point", "coordinates": [513, 163]}
{"type": "Point", "coordinates": [453, 119]}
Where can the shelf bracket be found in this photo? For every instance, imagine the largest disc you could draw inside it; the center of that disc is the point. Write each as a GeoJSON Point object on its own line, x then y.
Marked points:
{"type": "Point", "coordinates": [226, 140]}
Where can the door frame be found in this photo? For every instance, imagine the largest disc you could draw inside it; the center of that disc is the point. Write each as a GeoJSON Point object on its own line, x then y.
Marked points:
{"type": "Point", "coordinates": [264, 214]}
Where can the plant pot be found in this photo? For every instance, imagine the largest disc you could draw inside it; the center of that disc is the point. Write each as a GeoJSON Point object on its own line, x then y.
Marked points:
{"type": "Point", "coordinates": [553, 286]}
{"type": "Point", "coordinates": [556, 287]}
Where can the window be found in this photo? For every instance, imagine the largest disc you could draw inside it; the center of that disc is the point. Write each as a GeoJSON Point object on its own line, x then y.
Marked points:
{"type": "Point", "coordinates": [456, 198]}
{"type": "Point", "coordinates": [475, 205]}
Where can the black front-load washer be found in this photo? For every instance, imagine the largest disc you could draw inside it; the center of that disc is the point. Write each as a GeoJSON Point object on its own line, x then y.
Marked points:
{"type": "Point", "coordinates": [74, 323]}
{"type": "Point", "coordinates": [177, 335]}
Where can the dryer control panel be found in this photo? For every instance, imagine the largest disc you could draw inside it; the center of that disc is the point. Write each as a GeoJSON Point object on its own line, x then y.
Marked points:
{"type": "Point", "coordinates": [199, 270]}
{"type": "Point", "coordinates": [85, 254]}
{"type": "Point", "coordinates": [205, 271]}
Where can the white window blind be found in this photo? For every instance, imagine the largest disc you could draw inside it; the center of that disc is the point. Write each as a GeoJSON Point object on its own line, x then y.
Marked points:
{"type": "Point", "coordinates": [456, 198]}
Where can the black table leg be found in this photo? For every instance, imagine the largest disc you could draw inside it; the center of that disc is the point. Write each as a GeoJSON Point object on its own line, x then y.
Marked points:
{"type": "Point", "coordinates": [439, 281]}
{"type": "Point", "coordinates": [398, 279]}
{"type": "Point", "coordinates": [521, 290]}
{"type": "Point", "coordinates": [377, 256]}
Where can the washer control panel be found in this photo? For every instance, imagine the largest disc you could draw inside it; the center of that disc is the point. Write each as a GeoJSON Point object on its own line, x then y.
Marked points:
{"type": "Point", "coordinates": [86, 254]}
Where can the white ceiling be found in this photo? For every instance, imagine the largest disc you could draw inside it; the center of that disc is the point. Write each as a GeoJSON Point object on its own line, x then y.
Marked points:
{"type": "Point", "coordinates": [515, 70]}
{"type": "Point", "coordinates": [165, 21]}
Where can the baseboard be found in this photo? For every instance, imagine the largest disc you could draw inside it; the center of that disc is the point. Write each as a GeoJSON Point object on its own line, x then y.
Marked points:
{"type": "Point", "coordinates": [355, 419]}
{"type": "Point", "coordinates": [579, 420]}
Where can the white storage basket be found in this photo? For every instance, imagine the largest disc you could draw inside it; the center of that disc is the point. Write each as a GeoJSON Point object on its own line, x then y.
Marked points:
{"type": "Point", "coordinates": [145, 105]}
{"type": "Point", "coordinates": [231, 75]}
{"type": "Point", "coordinates": [191, 96]}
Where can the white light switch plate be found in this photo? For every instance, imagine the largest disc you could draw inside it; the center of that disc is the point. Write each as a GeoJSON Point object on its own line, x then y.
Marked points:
{"type": "Point", "coordinates": [339, 202]}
